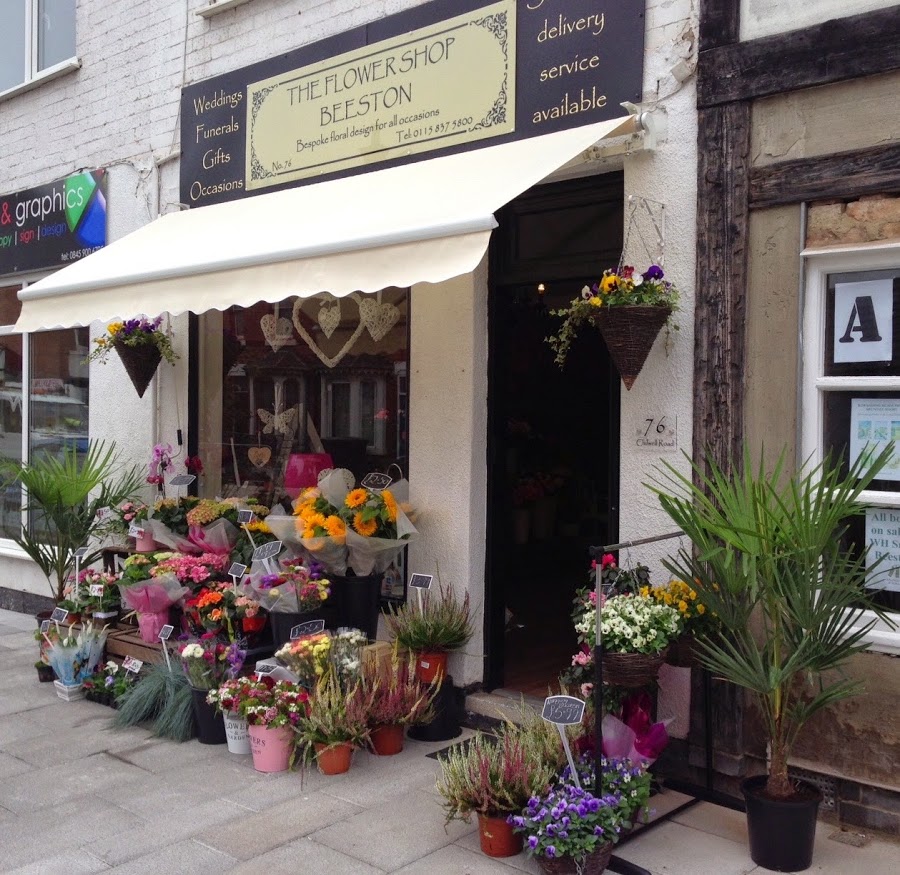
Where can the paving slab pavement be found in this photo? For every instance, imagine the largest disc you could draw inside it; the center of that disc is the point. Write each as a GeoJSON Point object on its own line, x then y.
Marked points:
{"type": "Point", "coordinates": [79, 796]}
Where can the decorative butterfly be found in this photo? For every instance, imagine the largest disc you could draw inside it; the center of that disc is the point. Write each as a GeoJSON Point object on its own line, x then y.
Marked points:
{"type": "Point", "coordinates": [279, 423]}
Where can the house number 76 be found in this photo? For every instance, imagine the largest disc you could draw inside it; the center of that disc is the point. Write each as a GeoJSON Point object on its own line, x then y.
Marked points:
{"type": "Point", "coordinates": [660, 425]}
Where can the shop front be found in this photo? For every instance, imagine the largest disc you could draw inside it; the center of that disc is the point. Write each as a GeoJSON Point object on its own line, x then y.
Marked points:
{"type": "Point", "coordinates": [336, 302]}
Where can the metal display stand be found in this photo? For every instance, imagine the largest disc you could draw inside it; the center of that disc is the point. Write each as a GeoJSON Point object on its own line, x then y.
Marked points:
{"type": "Point", "coordinates": [699, 794]}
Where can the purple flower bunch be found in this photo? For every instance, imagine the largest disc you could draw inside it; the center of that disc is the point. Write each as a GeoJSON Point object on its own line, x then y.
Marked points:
{"type": "Point", "coordinates": [147, 326]}
{"type": "Point", "coordinates": [570, 821]}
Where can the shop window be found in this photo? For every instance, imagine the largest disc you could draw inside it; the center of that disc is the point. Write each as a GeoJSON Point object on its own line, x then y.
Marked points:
{"type": "Point", "coordinates": [43, 397]}
{"type": "Point", "coordinates": [851, 395]}
{"type": "Point", "coordinates": [289, 388]}
{"type": "Point", "coordinates": [38, 35]}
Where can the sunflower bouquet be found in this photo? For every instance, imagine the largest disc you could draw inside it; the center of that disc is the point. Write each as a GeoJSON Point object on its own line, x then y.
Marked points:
{"type": "Point", "coordinates": [377, 528]}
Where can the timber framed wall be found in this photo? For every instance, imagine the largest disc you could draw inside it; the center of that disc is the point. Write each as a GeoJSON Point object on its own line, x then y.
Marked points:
{"type": "Point", "coordinates": [750, 232]}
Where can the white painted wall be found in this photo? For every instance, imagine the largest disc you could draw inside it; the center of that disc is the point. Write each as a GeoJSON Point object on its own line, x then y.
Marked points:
{"type": "Point", "coordinates": [766, 17]}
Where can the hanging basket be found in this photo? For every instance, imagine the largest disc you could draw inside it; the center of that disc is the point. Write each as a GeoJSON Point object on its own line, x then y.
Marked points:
{"type": "Point", "coordinates": [140, 362]}
{"type": "Point", "coordinates": [632, 669]}
{"type": "Point", "coordinates": [629, 334]}
{"type": "Point", "coordinates": [593, 864]}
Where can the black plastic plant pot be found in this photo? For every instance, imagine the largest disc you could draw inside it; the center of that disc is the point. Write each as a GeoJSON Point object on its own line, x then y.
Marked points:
{"type": "Point", "coordinates": [358, 600]}
{"type": "Point", "coordinates": [782, 831]}
{"type": "Point", "coordinates": [447, 716]}
{"type": "Point", "coordinates": [210, 725]}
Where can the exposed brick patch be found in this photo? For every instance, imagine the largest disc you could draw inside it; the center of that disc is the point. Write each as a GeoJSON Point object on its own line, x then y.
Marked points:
{"type": "Point", "coordinates": [869, 219]}
{"type": "Point", "coordinates": [870, 818]}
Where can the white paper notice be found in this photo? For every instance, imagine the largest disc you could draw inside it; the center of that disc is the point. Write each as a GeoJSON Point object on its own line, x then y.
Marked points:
{"type": "Point", "coordinates": [874, 423]}
{"type": "Point", "coordinates": [883, 540]}
{"type": "Point", "coordinates": [864, 321]}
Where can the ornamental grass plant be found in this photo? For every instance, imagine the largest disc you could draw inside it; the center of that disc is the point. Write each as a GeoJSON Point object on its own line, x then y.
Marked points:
{"type": "Point", "coordinates": [441, 622]}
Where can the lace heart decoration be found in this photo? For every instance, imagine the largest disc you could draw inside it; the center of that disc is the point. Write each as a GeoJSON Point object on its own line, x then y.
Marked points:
{"type": "Point", "coordinates": [329, 318]}
{"type": "Point", "coordinates": [277, 332]}
{"type": "Point", "coordinates": [379, 319]}
{"type": "Point", "coordinates": [328, 361]}
{"type": "Point", "coordinates": [259, 456]}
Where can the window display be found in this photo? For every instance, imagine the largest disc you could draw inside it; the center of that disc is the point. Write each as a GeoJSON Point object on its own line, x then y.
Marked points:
{"type": "Point", "coordinates": [290, 389]}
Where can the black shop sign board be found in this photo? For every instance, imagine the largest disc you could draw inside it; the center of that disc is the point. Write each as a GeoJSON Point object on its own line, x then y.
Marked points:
{"type": "Point", "coordinates": [572, 63]}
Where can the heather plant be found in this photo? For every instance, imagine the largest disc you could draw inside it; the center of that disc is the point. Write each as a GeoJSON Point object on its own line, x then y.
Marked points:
{"type": "Point", "coordinates": [396, 697]}
{"type": "Point", "coordinates": [493, 777]}
{"type": "Point", "coordinates": [440, 622]}
{"type": "Point", "coordinates": [333, 717]}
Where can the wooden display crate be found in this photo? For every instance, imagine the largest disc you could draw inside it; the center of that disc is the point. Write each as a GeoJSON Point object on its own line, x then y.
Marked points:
{"type": "Point", "coordinates": [127, 641]}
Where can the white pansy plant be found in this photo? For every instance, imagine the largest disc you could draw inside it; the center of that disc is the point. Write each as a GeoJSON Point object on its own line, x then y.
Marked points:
{"type": "Point", "coordinates": [630, 624]}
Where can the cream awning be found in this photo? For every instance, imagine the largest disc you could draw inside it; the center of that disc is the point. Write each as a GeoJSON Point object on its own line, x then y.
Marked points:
{"type": "Point", "coordinates": [422, 222]}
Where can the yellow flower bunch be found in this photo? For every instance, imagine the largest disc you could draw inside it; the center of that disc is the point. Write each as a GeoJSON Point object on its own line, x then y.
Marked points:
{"type": "Point", "coordinates": [371, 513]}
{"type": "Point", "coordinates": [316, 517]}
{"type": "Point", "coordinates": [684, 598]}
{"type": "Point", "coordinates": [307, 657]}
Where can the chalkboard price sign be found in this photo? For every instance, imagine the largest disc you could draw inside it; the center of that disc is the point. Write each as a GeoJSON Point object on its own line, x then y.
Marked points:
{"type": "Point", "coordinates": [265, 667]}
{"type": "Point", "coordinates": [81, 552]}
{"type": "Point", "coordinates": [245, 517]}
{"type": "Point", "coordinates": [420, 581]}
{"type": "Point", "coordinates": [267, 551]}
{"type": "Point", "coordinates": [166, 632]}
{"type": "Point", "coordinates": [311, 627]}
{"type": "Point", "coordinates": [563, 710]}
{"type": "Point", "coordinates": [182, 480]}
{"type": "Point", "coordinates": [59, 615]}
{"type": "Point", "coordinates": [237, 570]}
{"type": "Point", "coordinates": [376, 481]}
{"type": "Point", "coordinates": [45, 627]}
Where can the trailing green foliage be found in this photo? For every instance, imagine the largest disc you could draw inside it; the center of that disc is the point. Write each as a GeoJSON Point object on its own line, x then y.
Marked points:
{"type": "Point", "coordinates": [767, 554]}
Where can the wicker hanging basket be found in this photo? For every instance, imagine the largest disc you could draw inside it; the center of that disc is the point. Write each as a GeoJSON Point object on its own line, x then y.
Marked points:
{"type": "Point", "coordinates": [629, 333]}
{"type": "Point", "coordinates": [140, 362]}
{"type": "Point", "coordinates": [632, 669]}
{"type": "Point", "coordinates": [594, 863]}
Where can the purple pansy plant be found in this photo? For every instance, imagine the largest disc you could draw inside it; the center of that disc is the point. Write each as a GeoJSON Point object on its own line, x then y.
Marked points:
{"type": "Point", "coordinates": [570, 821]}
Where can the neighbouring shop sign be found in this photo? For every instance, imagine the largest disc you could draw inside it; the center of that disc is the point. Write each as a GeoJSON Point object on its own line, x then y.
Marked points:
{"type": "Point", "coordinates": [54, 224]}
{"type": "Point", "coordinates": [450, 83]}
{"type": "Point", "coordinates": [883, 542]}
{"type": "Point", "coordinates": [441, 77]}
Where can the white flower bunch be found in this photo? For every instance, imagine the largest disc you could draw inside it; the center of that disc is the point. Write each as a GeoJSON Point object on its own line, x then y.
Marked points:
{"type": "Point", "coordinates": [192, 651]}
{"type": "Point", "coordinates": [630, 624]}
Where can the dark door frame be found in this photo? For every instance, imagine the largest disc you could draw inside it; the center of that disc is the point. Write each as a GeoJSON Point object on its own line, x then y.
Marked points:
{"type": "Point", "coordinates": [504, 273]}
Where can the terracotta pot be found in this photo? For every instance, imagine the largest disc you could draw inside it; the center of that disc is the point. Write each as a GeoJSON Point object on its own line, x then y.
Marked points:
{"type": "Point", "coordinates": [430, 664]}
{"type": "Point", "coordinates": [271, 748]}
{"type": "Point", "coordinates": [387, 739]}
{"type": "Point", "coordinates": [334, 759]}
{"type": "Point", "coordinates": [497, 837]}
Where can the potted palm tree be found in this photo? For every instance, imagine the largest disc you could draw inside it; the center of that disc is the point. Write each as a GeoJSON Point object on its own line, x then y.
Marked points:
{"type": "Point", "coordinates": [768, 558]}
{"type": "Point", "coordinates": [65, 494]}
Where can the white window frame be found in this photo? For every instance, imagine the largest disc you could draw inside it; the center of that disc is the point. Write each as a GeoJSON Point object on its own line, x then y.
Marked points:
{"type": "Point", "coordinates": [33, 76]}
{"type": "Point", "coordinates": [355, 383]}
{"type": "Point", "coordinates": [818, 265]}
